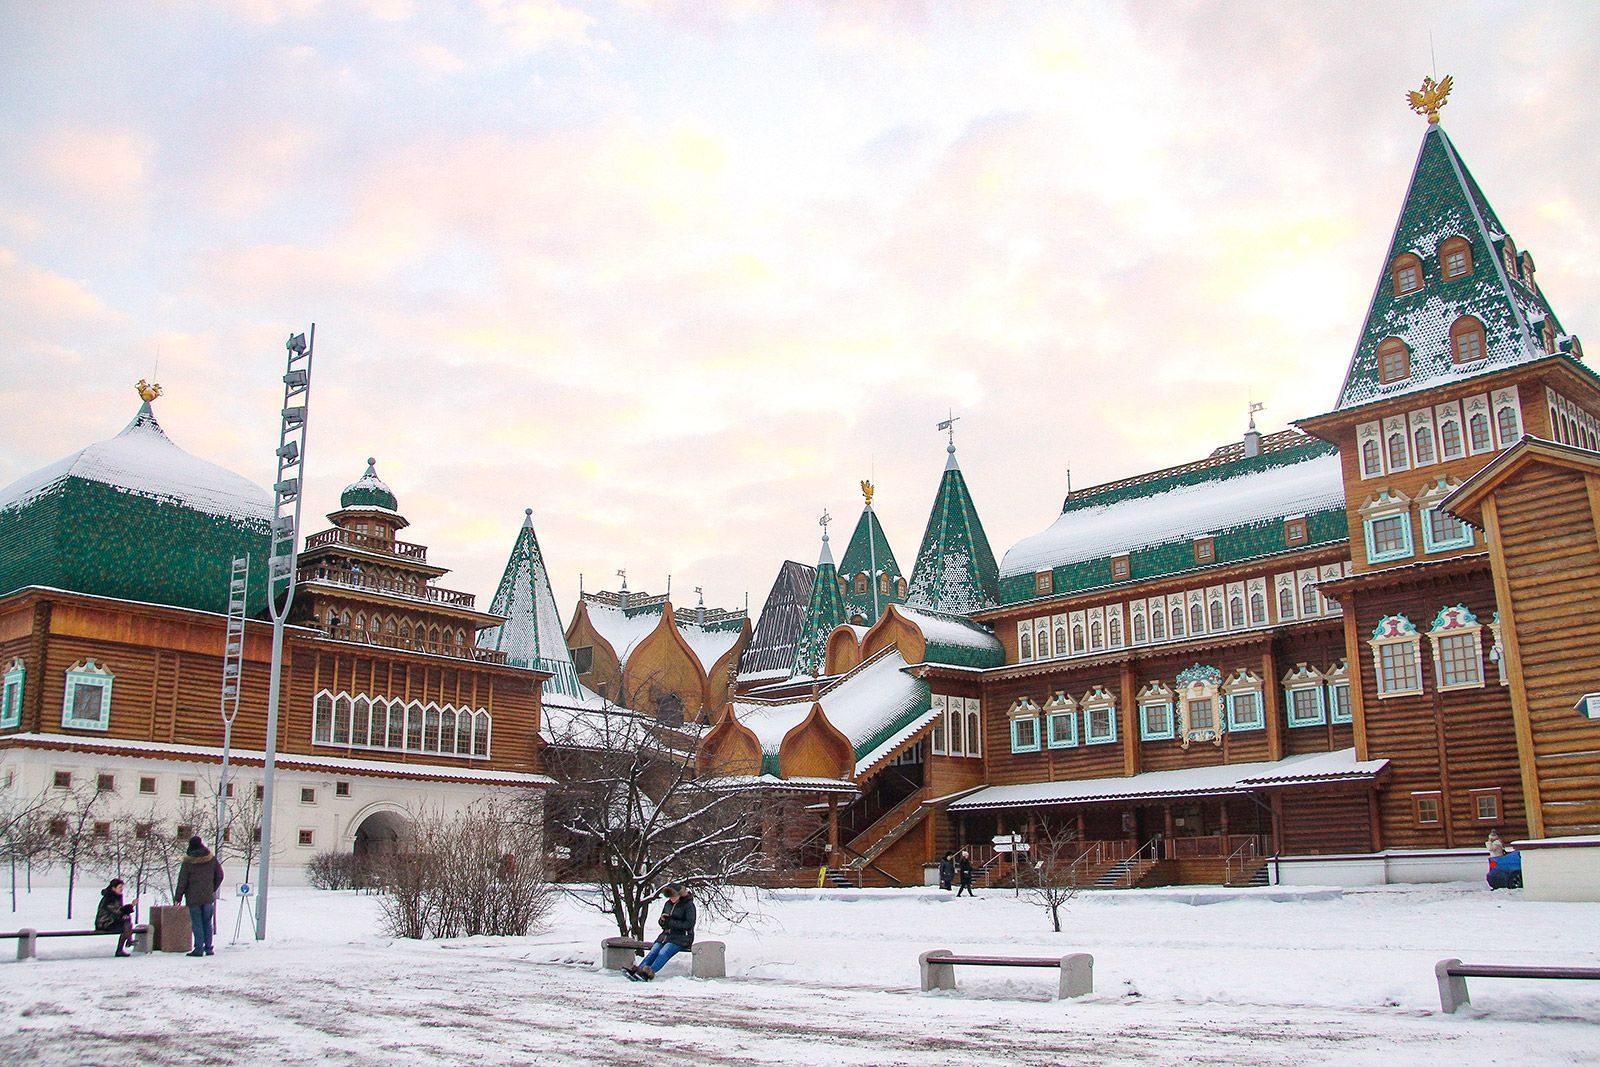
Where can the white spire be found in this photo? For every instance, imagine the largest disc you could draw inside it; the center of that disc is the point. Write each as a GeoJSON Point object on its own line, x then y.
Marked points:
{"type": "Point", "coordinates": [826, 558]}
{"type": "Point", "coordinates": [949, 425]}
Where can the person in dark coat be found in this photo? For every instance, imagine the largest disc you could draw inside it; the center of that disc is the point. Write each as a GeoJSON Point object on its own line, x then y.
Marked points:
{"type": "Point", "coordinates": [677, 933]}
{"type": "Point", "coordinates": [964, 865]}
{"type": "Point", "coordinates": [947, 871]}
{"type": "Point", "coordinates": [115, 917]}
{"type": "Point", "coordinates": [198, 882]}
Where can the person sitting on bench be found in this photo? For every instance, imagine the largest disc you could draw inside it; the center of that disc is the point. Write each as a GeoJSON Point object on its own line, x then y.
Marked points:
{"type": "Point", "coordinates": [115, 917]}
{"type": "Point", "coordinates": [677, 933]}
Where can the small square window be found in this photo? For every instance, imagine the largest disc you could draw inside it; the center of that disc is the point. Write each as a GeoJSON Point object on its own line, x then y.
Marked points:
{"type": "Point", "coordinates": [1119, 568]}
{"type": "Point", "coordinates": [102, 829]}
{"type": "Point", "coordinates": [141, 831]}
{"type": "Point", "coordinates": [1427, 808]}
{"type": "Point", "coordinates": [341, 789]}
{"type": "Point", "coordinates": [228, 790]}
{"type": "Point", "coordinates": [62, 780]}
{"type": "Point", "coordinates": [106, 783]}
{"type": "Point", "coordinates": [1294, 531]}
{"type": "Point", "coordinates": [1044, 582]}
{"type": "Point", "coordinates": [147, 785]}
{"type": "Point", "coordinates": [1486, 804]}
{"type": "Point", "coordinates": [1205, 550]}
{"type": "Point", "coordinates": [255, 835]}
{"type": "Point", "coordinates": [186, 787]}
{"type": "Point", "coordinates": [261, 791]}
{"type": "Point", "coordinates": [183, 831]}
{"type": "Point", "coordinates": [58, 828]}
{"type": "Point", "coordinates": [308, 795]}
{"type": "Point", "coordinates": [306, 838]}
{"type": "Point", "coordinates": [583, 659]}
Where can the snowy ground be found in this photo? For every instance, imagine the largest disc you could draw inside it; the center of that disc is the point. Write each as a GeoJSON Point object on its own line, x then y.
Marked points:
{"type": "Point", "coordinates": [1252, 978]}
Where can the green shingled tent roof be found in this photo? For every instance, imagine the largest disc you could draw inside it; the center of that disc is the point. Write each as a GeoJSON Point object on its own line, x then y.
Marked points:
{"type": "Point", "coordinates": [955, 569]}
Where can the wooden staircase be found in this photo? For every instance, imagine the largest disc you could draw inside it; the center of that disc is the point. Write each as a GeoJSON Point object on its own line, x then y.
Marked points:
{"type": "Point", "coordinates": [890, 827]}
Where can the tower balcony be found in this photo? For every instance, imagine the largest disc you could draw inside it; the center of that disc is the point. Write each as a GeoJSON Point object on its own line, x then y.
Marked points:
{"type": "Point", "coordinates": [416, 644]}
{"type": "Point", "coordinates": [352, 539]}
{"type": "Point", "coordinates": [408, 588]}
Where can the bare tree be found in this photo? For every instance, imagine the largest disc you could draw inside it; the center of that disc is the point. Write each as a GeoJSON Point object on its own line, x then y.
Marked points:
{"type": "Point", "coordinates": [24, 829]}
{"type": "Point", "coordinates": [630, 811]}
{"type": "Point", "coordinates": [1049, 881]}
{"type": "Point", "coordinates": [239, 836]}
{"type": "Point", "coordinates": [73, 828]}
{"type": "Point", "coordinates": [136, 848]}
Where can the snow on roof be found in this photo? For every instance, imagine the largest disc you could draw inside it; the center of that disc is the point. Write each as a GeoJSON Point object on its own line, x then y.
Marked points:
{"type": "Point", "coordinates": [623, 630]}
{"type": "Point", "coordinates": [578, 722]}
{"type": "Point", "coordinates": [951, 631]}
{"type": "Point", "coordinates": [861, 705]}
{"type": "Point", "coordinates": [1185, 511]}
{"type": "Point", "coordinates": [1190, 781]}
{"type": "Point", "coordinates": [709, 644]}
{"type": "Point", "coordinates": [143, 461]}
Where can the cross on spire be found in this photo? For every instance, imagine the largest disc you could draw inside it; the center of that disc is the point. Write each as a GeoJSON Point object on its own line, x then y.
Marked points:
{"type": "Point", "coordinates": [823, 522]}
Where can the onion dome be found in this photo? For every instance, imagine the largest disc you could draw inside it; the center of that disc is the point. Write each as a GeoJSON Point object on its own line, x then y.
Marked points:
{"type": "Point", "coordinates": [369, 491]}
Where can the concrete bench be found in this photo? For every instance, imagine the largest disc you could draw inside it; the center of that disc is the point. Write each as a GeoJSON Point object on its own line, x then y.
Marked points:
{"type": "Point", "coordinates": [708, 959]}
{"type": "Point", "coordinates": [1453, 975]}
{"type": "Point", "coordinates": [28, 940]}
{"type": "Point", "coordinates": [1077, 969]}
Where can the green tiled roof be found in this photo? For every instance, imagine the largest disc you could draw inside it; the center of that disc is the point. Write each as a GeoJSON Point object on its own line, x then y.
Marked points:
{"type": "Point", "coordinates": [869, 553]}
{"type": "Point", "coordinates": [954, 639]}
{"type": "Point", "coordinates": [532, 635]}
{"type": "Point", "coordinates": [955, 569]}
{"type": "Point", "coordinates": [824, 611]}
{"type": "Point", "coordinates": [369, 491]}
{"type": "Point", "coordinates": [1443, 201]}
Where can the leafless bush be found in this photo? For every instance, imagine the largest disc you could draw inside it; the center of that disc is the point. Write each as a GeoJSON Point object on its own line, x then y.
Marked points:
{"type": "Point", "coordinates": [1049, 882]}
{"type": "Point", "coordinates": [480, 872]}
{"type": "Point", "coordinates": [334, 870]}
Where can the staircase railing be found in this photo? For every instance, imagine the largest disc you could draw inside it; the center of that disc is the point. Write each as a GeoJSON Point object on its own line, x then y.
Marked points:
{"type": "Point", "coordinates": [886, 823]}
{"type": "Point", "coordinates": [1238, 857]}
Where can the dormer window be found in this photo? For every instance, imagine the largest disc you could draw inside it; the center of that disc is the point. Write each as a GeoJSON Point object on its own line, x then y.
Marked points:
{"type": "Point", "coordinates": [1466, 340]}
{"type": "Point", "coordinates": [1527, 272]}
{"type": "Point", "coordinates": [1407, 274]}
{"type": "Point", "coordinates": [1119, 568]}
{"type": "Point", "coordinates": [1509, 254]}
{"type": "Point", "coordinates": [1044, 582]}
{"type": "Point", "coordinates": [1205, 550]}
{"type": "Point", "coordinates": [1455, 258]}
{"type": "Point", "coordinates": [1294, 531]}
{"type": "Point", "coordinates": [1548, 337]}
{"type": "Point", "coordinates": [1394, 361]}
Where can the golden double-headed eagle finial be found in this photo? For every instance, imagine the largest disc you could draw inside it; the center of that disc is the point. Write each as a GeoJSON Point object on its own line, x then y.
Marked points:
{"type": "Point", "coordinates": [866, 492]}
{"type": "Point", "coordinates": [147, 390]}
{"type": "Point", "coordinates": [1431, 97]}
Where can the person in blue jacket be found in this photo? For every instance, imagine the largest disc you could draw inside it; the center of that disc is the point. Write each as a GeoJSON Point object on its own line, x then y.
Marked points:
{"type": "Point", "coordinates": [677, 933]}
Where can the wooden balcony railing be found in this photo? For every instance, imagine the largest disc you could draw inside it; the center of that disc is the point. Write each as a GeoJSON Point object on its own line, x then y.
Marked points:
{"type": "Point", "coordinates": [414, 590]}
{"type": "Point", "coordinates": [403, 549]}
{"type": "Point", "coordinates": [437, 648]}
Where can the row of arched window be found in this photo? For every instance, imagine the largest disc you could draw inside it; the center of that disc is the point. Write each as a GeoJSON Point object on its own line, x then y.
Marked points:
{"type": "Point", "coordinates": [396, 725]}
{"type": "Point", "coordinates": [394, 630]}
{"type": "Point", "coordinates": [887, 586]}
{"type": "Point", "coordinates": [1441, 433]}
{"type": "Point", "coordinates": [1467, 345]}
{"type": "Point", "coordinates": [1406, 274]}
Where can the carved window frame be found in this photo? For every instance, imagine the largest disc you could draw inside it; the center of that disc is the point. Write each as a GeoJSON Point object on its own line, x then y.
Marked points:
{"type": "Point", "coordinates": [1457, 627]}
{"type": "Point", "coordinates": [1061, 721]}
{"type": "Point", "coordinates": [1396, 635]}
{"type": "Point", "coordinates": [11, 696]}
{"type": "Point", "coordinates": [1024, 722]}
{"type": "Point", "coordinates": [85, 674]}
{"type": "Point", "coordinates": [1304, 679]}
{"type": "Point", "coordinates": [1157, 697]}
{"type": "Point", "coordinates": [1098, 700]}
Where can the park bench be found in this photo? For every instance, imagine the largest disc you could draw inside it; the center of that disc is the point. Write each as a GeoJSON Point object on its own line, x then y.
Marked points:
{"type": "Point", "coordinates": [28, 940]}
{"type": "Point", "coordinates": [1077, 969]}
{"type": "Point", "coordinates": [708, 959]}
{"type": "Point", "coordinates": [1453, 975]}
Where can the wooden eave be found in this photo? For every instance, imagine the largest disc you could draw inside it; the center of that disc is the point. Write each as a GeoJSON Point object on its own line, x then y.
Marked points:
{"type": "Point", "coordinates": [1413, 575]}
{"type": "Point", "coordinates": [1182, 581]}
{"type": "Point", "coordinates": [319, 639]}
{"type": "Point", "coordinates": [363, 511]}
{"type": "Point", "coordinates": [1467, 500]}
{"type": "Point", "coordinates": [388, 559]}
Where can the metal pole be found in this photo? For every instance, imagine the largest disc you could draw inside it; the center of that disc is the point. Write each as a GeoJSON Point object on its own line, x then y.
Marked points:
{"type": "Point", "coordinates": [281, 570]}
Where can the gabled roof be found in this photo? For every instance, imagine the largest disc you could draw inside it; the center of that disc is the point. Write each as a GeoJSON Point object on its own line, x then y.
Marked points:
{"type": "Point", "coordinates": [1467, 499]}
{"type": "Point", "coordinates": [869, 553]}
{"type": "Point", "coordinates": [532, 635]}
{"type": "Point", "coordinates": [955, 569]}
{"type": "Point", "coordinates": [1444, 201]}
{"type": "Point", "coordinates": [1239, 501]}
{"type": "Point", "coordinates": [776, 640]}
{"type": "Point", "coordinates": [953, 639]}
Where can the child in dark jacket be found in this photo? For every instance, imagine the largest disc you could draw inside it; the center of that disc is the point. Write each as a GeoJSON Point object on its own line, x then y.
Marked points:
{"type": "Point", "coordinates": [113, 916]}
{"type": "Point", "coordinates": [677, 933]}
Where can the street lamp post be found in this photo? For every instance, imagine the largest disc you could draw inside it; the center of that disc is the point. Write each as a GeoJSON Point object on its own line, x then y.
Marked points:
{"type": "Point", "coordinates": [287, 495]}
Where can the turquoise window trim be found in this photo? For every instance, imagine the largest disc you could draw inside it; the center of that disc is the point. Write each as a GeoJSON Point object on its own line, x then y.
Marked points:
{"type": "Point", "coordinates": [1070, 719]}
{"type": "Point", "coordinates": [97, 679]}
{"type": "Point", "coordinates": [1148, 734]}
{"type": "Point", "coordinates": [1088, 725]}
{"type": "Point", "coordinates": [1288, 705]}
{"type": "Point", "coordinates": [11, 697]}
{"type": "Point", "coordinates": [1017, 745]}
{"type": "Point", "coordinates": [1234, 725]}
{"type": "Point", "coordinates": [1334, 715]}
{"type": "Point", "coordinates": [1430, 545]}
{"type": "Point", "coordinates": [1409, 549]}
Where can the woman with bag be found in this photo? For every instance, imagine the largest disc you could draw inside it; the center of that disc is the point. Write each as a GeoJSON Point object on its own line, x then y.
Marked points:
{"type": "Point", "coordinates": [677, 933]}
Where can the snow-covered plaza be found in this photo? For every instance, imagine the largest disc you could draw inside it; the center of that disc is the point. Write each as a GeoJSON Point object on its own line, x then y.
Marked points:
{"type": "Point", "coordinates": [1181, 976]}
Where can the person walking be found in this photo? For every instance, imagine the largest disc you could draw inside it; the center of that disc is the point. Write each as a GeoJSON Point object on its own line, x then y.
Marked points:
{"type": "Point", "coordinates": [115, 917]}
{"type": "Point", "coordinates": [964, 866]}
{"type": "Point", "coordinates": [947, 871]}
{"type": "Point", "coordinates": [677, 933]}
{"type": "Point", "coordinates": [198, 882]}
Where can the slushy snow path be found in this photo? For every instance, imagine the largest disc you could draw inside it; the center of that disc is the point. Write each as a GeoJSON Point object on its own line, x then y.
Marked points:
{"type": "Point", "coordinates": [1254, 977]}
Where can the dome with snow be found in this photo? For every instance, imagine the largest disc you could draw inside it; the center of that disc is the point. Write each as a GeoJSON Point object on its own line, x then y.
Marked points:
{"type": "Point", "coordinates": [369, 491]}
{"type": "Point", "coordinates": [137, 518]}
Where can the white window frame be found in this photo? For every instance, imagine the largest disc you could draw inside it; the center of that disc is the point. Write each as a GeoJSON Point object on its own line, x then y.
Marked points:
{"type": "Point", "coordinates": [1025, 642]}
{"type": "Point", "coordinates": [455, 726]}
{"type": "Point", "coordinates": [11, 696]}
{"type": "Point", "coordinates": [1396, 631]}
{"type": "Point", "coordinates": [974, 719]}
{"type": "Point", "coordinates": [1063, 710]}
{"type": "Point", "coordinates": [1153, 697]}
{"type": "Point", "coordinates": [1244, 683]}
{"type": "Point", "coordinates": [1099, 699]}
{"type": "Point", "coordinates": [1304, 679]}
{"type": "Point", "coordinates": [1456, 623]}
{"type": "Point", "coordinates": [1199, 683]}
{"type": "Point", "coordinates": [1385, 506]}
{"type": "Point", "coordinates": [937, 741]}
{"type": "Point", "coordinates": [85, 673]}
{"type": "Point", "coordinates": [1024, 712]}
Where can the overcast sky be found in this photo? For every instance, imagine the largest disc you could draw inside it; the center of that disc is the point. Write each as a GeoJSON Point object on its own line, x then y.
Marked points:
{"type": "Point", "coordinates": [678, 274]}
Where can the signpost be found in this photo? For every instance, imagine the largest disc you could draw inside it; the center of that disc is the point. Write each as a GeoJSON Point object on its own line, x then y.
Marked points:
{"type": "Point", "coordinates": [1014, 844]}
{"type": "Point", "coordinates": [1588, 706]}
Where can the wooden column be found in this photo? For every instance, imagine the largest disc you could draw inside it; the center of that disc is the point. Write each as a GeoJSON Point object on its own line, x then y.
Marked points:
{"type": "Point", "coordinates": [1272, 704]}
{"type": "Point", "coordinates": [1511, 648]}
{"type": "Point", "coordinates": [1377, 824]}
{"type": "Point", "coordinates": [1224, 821]}
{"type": "Point", "coordinates": [833, 827]}
{"type": "Point", "coordinates": [1166, 820]}
{"type": "Point", "coordinates": [1083, 828]}
{"type": "Point", "coordinates": [1353, 653]}
{"type": "Point", "coordinates": [1277, 824]}
{"type": "Point", "coordinates": [1130, 722]}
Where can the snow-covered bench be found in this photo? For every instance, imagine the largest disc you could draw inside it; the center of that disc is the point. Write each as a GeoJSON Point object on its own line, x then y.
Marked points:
{"type": "Point", "coordinates": [708, 959]}
{"type": "Point", "coordinates": [28, 940]}
{"type": "Point", "coordinates": [1077, 969]}
{"type": "Point", "coordinates": [1453, 975]}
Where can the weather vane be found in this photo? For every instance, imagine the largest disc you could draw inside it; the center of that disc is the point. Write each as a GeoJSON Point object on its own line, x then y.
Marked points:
{"type": "Point", "coordinates": [147, 390]}
{"type": "Point", "coordinates": [1255, 406]}
{"type": "Point", "coordinates": [823, 522]}
{"type": "Point", "coordinates": [867, 491]}
{"type": "Point", "coordinates": [1431, 97]}
{"type": "Point", "coordinates": [949, 425]}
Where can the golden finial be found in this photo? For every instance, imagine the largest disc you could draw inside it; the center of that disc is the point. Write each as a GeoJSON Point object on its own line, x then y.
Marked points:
{"type": "Point", "coordinates": [147, 391]}
{"type": "Point", "coordinates": [866, 492]}
{"type": "Point", "coordinates": [1431, 97]}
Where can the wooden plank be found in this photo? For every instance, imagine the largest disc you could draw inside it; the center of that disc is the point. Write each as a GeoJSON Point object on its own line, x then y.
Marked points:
{"type": "Point", "coordinates": [1511, 649]}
